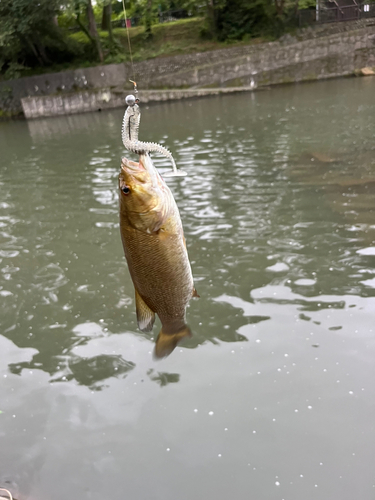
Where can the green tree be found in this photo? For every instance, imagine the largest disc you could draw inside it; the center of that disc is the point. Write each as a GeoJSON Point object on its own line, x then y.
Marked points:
{"type": "Point", "coordinates": [239, 19]}
{"type": "Point", "coordinates": [29, 33]}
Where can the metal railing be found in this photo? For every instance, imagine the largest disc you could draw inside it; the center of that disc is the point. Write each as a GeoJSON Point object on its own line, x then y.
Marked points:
{"type": "Point", "coordinates": [336, 14]}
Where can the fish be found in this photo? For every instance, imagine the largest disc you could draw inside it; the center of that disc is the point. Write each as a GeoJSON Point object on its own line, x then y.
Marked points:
{"type": "Point", "coordinates": [155, 249]}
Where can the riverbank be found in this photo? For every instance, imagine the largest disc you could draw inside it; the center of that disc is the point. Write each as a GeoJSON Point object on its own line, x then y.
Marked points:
{"type": "Point", "coordinates": [80, 102]}
{"type": "Point", "coordinates": [168, 39]}
{"type": "Point", "coordinates": [323, 52]}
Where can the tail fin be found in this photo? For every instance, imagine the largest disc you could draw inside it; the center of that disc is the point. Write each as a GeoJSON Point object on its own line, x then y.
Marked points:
{"type": "Point", "coordinates": [166, 342]}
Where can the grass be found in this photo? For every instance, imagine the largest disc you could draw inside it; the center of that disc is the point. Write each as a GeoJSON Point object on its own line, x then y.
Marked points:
{"type": "Point", "coordinates": [168, 39]}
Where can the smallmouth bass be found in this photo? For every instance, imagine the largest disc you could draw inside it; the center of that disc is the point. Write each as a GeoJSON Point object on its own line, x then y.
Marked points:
{"type": "Point", "coordinates": [155, 250]}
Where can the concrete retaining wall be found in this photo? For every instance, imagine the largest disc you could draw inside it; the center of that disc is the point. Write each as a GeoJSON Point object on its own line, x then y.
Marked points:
{"type": "Point", "coordinates": [323, 52]}
{"type": "Point", "coordinates": [96, 100]}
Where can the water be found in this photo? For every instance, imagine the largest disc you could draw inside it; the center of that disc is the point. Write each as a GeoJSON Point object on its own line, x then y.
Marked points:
{"type": "Point", "coordinates": [273, 397]}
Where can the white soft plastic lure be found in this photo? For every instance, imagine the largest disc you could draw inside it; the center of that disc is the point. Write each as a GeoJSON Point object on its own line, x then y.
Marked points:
{"type": "Point", "coordinates": [130, 130]}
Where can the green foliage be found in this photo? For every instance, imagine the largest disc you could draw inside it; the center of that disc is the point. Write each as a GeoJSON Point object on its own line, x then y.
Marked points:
{"type": "Point", "coordinates": [306, 4]}
{"type": "Point", "coordinates": [87, 52]}
{"type": "Point", "coordinates": [67, 19]}
{"type": "Point", "coordinates": [29, 35]}
{"type": "Point", "coordinates": [31, 38]}
{"type": "Point", "coordinates": [14, 70]}
{"type": "Point", "coordinates": [98, 9]}
{"type": "Point", "coordinates": [79, 37]}
{"type": "Point", "coordinates": [241, 19]}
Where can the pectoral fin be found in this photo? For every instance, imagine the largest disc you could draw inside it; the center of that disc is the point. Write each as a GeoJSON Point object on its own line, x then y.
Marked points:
{"type": "Point", "coordinates": [145, 316]}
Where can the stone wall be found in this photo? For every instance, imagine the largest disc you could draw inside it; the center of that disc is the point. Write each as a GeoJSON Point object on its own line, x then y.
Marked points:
{"type": "Point", "coordinates": [96, 100]}
{"type": "Point", "coordinates": [12, 91]}
{"type": "Point", "coordinates": [320, 52]}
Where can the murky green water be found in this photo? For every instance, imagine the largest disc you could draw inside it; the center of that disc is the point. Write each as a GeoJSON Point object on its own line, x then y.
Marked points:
{"type": "Point", "coordinates": [274, 396]}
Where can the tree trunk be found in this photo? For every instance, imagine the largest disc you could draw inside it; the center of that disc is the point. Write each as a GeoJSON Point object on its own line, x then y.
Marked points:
{"type": "Point", "coordinates": [110, 34]}
{"type": "Point", "coordinates": [211, 16]}
{"type": "Point", "coordinates": [148, 21]}
{"type": "Point", "coordinates": [296, 5]}
{"type": "Point", "coordinates": [83, 27]}
{"type": "Point", "coordinates": [34, 51]}
{"type": "Point", "coordinates": [106, 21]}
{"type": "Point", "coordinates": [42, 51]}
{"type": "Point", "coordinates": [93, 31]}
{"type": "Point", "coordinates": [279, 4]}
{"type": "Point", "coordinates": [106, 16]}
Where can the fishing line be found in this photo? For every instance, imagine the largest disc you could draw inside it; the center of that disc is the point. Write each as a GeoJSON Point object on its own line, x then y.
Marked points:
{"type": "Point", "coordinates": [130, 123]}
{"type": "Point", "coordinates": [127, 31]}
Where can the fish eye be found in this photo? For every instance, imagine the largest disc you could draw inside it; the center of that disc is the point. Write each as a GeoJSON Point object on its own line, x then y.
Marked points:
{"type": "Point", "coordinates": [125, 189]}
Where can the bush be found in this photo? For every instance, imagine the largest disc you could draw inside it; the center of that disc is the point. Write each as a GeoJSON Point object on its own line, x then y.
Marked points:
{"type": "Point", "coordinates": [244, 18]}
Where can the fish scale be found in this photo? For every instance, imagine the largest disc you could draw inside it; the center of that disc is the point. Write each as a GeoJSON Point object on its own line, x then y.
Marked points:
{"type": "Point", "coordinates": [165, 286]}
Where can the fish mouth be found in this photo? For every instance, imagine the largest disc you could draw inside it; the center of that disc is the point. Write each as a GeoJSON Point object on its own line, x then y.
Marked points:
{"type": "Point", "coordinates": [132, 173]}
{"type": "Point", "coordinates": [129, 166]}
{"type": "Point", "coordinates": [143, 171]}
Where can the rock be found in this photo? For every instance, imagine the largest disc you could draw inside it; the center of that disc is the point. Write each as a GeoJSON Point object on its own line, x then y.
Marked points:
{"type": "Point", "coordinates": [367, 71]}
{"type": "Point", "coordinates": [287, 39]}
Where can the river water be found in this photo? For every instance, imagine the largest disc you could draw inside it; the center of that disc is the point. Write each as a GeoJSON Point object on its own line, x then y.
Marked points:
{"type": "Point", "coordinates": [274, 395]}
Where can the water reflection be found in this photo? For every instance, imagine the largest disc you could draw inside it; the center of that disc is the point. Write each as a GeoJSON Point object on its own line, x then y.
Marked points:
{"type": "Point", "coordinates": [58, 127]}
{"type": "Point", "coordinates": [92, 370]}
{"type": "Point", "coordinates": [163, 378]}
{"type": "Point", "coordinates": [348, 182]}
